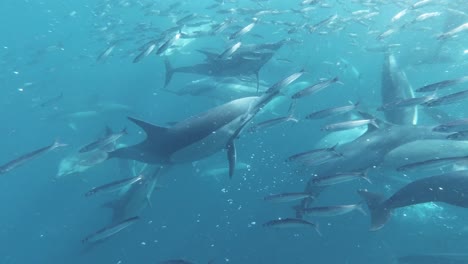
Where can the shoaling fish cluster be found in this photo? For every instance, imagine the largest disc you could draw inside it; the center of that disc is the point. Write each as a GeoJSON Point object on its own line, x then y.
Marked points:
{"type": "Point", "coordinates": [232, 74]}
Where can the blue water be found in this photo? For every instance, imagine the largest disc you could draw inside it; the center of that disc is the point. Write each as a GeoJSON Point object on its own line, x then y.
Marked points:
{"type": "Point", "coordinates": [50, 47]}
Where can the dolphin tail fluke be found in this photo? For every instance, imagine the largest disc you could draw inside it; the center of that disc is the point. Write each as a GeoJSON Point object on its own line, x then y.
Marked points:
{"type": "Point", "coordinates": [169, 73]}
{"type": "Point", "coordinates": [379, 214]}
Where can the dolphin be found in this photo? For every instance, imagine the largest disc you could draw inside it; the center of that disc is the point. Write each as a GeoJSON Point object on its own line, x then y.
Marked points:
{"type": "Point", "coordinates": [395, 87]}
{"type": "Point", "coordinates": [369, 151]}
{"type": "Point", "coordinates": [450, 188]}
{"type": "Point", "coordinates": [246, 61]}
{"type": "Point", "coordinates": [196, 137]}
{"type": "Point", "coordinates": [226, 88]}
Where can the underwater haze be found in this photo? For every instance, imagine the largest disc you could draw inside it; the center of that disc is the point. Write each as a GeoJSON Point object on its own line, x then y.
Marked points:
{"type": "Point", "coordinates": [234, 131]}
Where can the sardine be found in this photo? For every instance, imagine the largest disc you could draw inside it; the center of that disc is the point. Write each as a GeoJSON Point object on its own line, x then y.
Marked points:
{"type": "Point", "coordinates": [431, 163]}
{"type": "Point", "coordinates": [109, 231]}
{"type": "Point", "coordinates": [228, 52]}
{"type": "Point", "coordinates": [168, 44]}
{"type": "Point", "coordinates": [448, 99]}
{"type": "Point", "coordinates": [349, 125]}
{"type": "Point", "coordinates": [272, 122]}
{"type": "Point", "coordinates": [114, 186]}
{"type": "Point", "coordinates": [338, 178]}
{"type": "Point", "coordinates": [104, 141]}
{"type": "Point", "coordinates": [28, 157]}
{"type": "Point", "coordinates": [452, 126]}
{"type": "Point", "coordinates": [244, 30]}
{"type": "Point", "coordinates": [314, 88]}
{"type": "Point", "coordinates": [443, 84]}
{"type": "Point", "coordinates": [332, 111]}
{"type": "Point", "coordinates": [287, 197]}
{"type": "Point", "coordinates": [334, 210]}
{"type": "Point", "coordinates": [285, 82]}
{"type": "Point", "coordinates": [291, 223]}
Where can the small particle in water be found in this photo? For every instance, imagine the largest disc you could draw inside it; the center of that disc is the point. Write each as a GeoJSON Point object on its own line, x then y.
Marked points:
{"type": "Point", "coordinates": [21, 89]}
{"type": "Point", "coordinates": [16, 72]}
{"type": "Point", "coordinates": [143, 243]}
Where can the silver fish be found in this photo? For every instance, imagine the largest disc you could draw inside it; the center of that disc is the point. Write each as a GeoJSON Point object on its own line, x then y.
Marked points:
{"type": "Point", "coordinates": [228, 52]}
{"type": "Point", "coordinates": [410, 102]}
{"type": "Point", "coordinates": [285, 82]}
{"type": "Point", "coordinates": [244, 30]}
{"type": "Point", "coordinates": [332, 111]}
{"type": "Point", "coordinates": [452, 126]}
{"type": "Point", "coordinates": [314, 88]}
{"type": "Point", "coordinates": [168, 44]}
{"type": "Point", "coordinates": [104, 141]}
{"type": "Point", "coordinates": [448, 99]}
{"type": "Point", "coordinates": [431, 163]}
{"type": "Point", "coordinates": [291, 223]}
{"type": "Point", "coordinates": [311, 154]}
{"type": "Point", "coordinates": [106, 53]}
{"type": "Point", "coordinates": [147, 51]}
{"type": "Point", "coordinates": [349, 125]}
{"type": "Point", "coordinates": [109, 231]}
{"type": "Point", "coordinates": [286, 197]}
{"type": "Point", "coordinates": [338, 178]}
{"type": "Point", "coordinates": [114, 186]}
{"type": "Point", "coordinates": [461, 135]}
{"type": "Point", "coordinates": [28, 157]}
{"type": "Point", "coordinates": [453, 32]}
{"type": "Point", "coordinates": [272, 122]}
{"type": "Point", "coordinates": [443, 84]}
{"type": "Point", "coordinates": [334, 210]}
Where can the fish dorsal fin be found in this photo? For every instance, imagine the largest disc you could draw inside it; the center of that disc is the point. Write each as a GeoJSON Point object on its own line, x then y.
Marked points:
{"type": "Point", "coordinates": [151, 130]}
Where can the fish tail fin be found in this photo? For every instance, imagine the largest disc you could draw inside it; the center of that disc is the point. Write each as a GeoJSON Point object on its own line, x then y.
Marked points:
{"type": "Point", "coordinates": [365, 176]}
{"type": "Point", "coordinates": [317, 229]}
{"type": "Point", "coordinates": [374, 123]}
{"type": "Point", "coordinates": [148, 201]}
{"type": "Point", "coordinates": [124, 131]}
{"type": "Point", "coordinates": [360, 208]}
{"type": "Point", "coordinates": [379, 214]}
{"type": "Point", "coordinates": [58, 144]}
{"type": "Point", "coordinates": [169, 73]}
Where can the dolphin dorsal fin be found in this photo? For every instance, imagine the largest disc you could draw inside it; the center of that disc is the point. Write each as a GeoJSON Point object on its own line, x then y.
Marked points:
{"type": "Point", "coordinates": [210, 56]}
{"type": "Point", "coordinates": [151, 130]}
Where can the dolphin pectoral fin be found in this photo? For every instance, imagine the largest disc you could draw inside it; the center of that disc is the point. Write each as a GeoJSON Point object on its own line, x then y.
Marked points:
{"type": "Point", "coordinates": [379, 214]}
{"type": "Point", "coordinates": [151, 130]}
{"type": "Point", "coordinates": [231, 155]}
